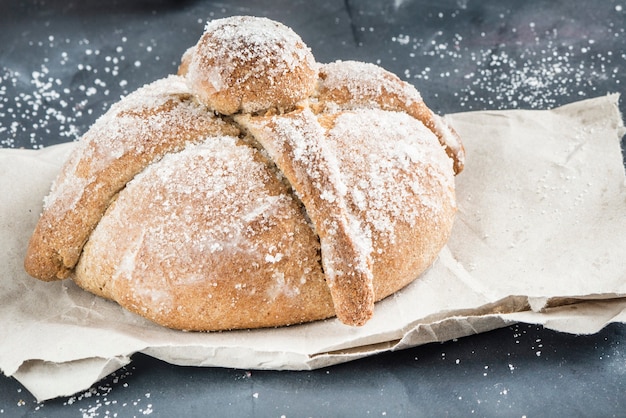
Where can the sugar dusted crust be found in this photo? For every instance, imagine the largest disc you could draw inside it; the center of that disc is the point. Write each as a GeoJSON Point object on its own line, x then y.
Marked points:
{"type": "Point", "coordinates": [246, 64]}
{"type": "Point", "coordinates": [361, 175]}
{"type": "Point", "coordinates": [199, 253]}
{"type": "Point", "coordinates": [253, 189]}
{"type": "Point", "coordinates": [159, 118]}
{"type": "Point", "coordinates": [350, 84]}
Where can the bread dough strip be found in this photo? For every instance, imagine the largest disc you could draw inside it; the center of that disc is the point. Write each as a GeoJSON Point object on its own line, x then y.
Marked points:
{"type": "Point", "coordinates": [295, 142]}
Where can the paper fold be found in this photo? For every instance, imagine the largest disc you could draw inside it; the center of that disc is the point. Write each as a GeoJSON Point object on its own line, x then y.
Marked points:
{"type": "Point", "coordinates": [42, 378]}
{"type": "Point", "coordinates": [538, 239]}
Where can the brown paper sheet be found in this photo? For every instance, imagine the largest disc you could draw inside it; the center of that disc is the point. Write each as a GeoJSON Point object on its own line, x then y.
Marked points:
{"type": "Point", "coordinates": [539, 238]}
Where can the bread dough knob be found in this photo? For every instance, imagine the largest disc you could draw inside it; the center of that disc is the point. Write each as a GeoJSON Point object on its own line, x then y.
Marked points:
{"type": "Point", "coordinates": [250, 65]}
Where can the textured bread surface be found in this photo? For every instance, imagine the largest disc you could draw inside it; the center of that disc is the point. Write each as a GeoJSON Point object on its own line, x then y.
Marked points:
{"type": "Point", "coordinates": [159, 118]}
{"type": "Point", "coordinates": [253, 189]}
{"type": "Point", "coordinates": [250, 64]}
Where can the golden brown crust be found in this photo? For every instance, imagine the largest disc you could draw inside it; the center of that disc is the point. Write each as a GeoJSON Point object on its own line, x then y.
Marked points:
{"type": "Point", "coordinates": [349, 84]}
{"type": "Point", "coordinates": [346, 168]}
{"type": "Point", "coordinates": [318, 198]}
{"type": "Point", "coordinates": [141, 128]}
{"type": "Point", "coordinates": [250, 65]}
{"type": "Point", "coordinates": [197, 256]}
{"type": "Point", "coordinates": [295, 142]}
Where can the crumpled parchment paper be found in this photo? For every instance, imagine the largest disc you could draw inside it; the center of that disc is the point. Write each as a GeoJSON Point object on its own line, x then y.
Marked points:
{"type": "Point", "coordinates": [539, 238]}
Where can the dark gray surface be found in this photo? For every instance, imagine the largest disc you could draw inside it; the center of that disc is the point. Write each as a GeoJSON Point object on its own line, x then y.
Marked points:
{"type": "Point", "coordinates": [63, 63]}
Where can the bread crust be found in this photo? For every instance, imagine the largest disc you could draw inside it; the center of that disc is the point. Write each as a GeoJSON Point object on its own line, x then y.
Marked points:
{"type": "Point", "coordinates": [278, 201]}
{"type": "Point", "coordinates": [159, 118]}
{"type": "Point", "coordinates": [198, 256]}
{"type": "Point", "coordinates": [366, 194]}
{"type": "Point", "coordinates": [249, 65]}
{"type": "Point", "coordinates": [350, 84]}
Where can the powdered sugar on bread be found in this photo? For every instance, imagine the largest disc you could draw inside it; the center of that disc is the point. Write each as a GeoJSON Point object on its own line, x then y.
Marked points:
{"type": "Point", "coordinates": [257, 188]}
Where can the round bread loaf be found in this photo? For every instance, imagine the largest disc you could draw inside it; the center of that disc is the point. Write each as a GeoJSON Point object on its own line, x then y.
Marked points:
{"type": "Point", "coordinates": [268, 195]}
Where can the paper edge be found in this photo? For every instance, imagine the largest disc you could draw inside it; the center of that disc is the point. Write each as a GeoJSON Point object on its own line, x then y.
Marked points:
{"type": "Point", "coordinates": [556, 319]}
{"type": "Point", "coordinates": [73, 371]}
